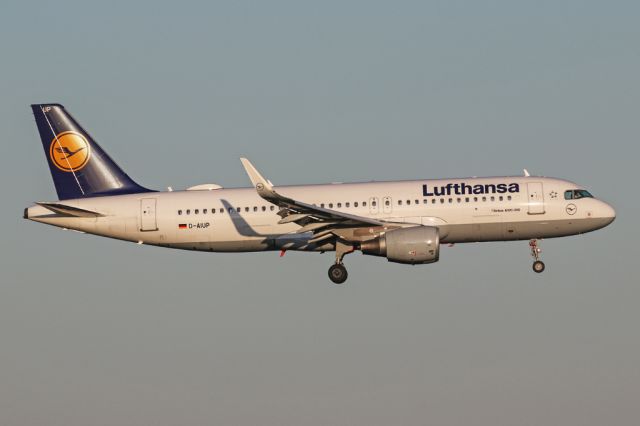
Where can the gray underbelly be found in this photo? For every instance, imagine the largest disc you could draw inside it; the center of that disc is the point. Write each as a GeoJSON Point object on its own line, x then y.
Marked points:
{"type": "Point", "coordinates": [507, 231]}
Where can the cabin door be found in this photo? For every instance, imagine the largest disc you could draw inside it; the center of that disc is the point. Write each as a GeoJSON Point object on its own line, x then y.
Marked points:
{"type": "Point", "coordinates": [148, 220]}
{"type": "Point", "coordinates": [536, 198]}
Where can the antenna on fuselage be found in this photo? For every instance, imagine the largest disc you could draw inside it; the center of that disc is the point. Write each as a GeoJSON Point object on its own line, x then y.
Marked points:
{"type": "Point", "coordinates": [526, 172]}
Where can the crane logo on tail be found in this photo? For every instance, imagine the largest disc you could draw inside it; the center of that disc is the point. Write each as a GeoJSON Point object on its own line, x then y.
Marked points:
{"type": "Point", "coordinates": [70, 151]}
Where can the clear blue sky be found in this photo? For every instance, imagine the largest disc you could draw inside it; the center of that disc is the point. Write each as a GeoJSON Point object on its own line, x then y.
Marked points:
{"type": "Point", "coordinates": [101, 332]}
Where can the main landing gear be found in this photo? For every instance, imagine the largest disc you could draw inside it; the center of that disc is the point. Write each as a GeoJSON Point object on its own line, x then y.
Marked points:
{"type": "Point", "coordinates": [337, 272]}
{"type": "Point", "coordinates": [538, 265]}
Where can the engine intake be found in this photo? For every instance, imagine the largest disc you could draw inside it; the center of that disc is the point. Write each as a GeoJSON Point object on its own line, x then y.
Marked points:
{"type": "Point", "coordinates": [414, 245]}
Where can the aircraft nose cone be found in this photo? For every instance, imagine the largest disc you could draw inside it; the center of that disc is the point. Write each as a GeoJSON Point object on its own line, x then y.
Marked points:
{"type": "Point", "coordinates": [608, 213]}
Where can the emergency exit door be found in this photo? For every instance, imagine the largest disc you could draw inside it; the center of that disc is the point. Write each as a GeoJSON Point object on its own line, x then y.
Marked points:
{"type": "Point", "coordinates": [373, 205]}
{"type": "Point", "coordinates": [387, 205]}
{"type": "Point", "coordinates": [536, 198]}
{"type": "Point", "coordinates": [148, 215]}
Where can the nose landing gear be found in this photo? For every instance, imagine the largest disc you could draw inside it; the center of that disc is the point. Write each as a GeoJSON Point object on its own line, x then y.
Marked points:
{"type": "Point", "coordinates": [337, 272]}
{"type": "Point", "coordinates": [538, 265]}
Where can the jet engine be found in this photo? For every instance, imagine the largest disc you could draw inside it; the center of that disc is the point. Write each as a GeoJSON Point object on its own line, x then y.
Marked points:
{"type": "Point", "coordinates": [414, 245]}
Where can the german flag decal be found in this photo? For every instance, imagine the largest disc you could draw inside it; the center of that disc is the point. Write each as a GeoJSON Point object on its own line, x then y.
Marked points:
{"type": "Point", "coordinates": [182, 226]}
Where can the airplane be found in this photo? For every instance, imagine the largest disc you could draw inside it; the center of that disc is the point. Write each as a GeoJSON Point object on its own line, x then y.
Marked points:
{"type": "Point", "coordinates": [404, 221]}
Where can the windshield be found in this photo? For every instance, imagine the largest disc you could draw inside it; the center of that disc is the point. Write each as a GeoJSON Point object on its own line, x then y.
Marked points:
{"type": "Point", "coordinates": [574, 194]}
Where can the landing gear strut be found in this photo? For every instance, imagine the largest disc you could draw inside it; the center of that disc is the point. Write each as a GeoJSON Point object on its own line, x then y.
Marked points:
{"type": "Point", "coordinates": [538, 265]}
{"type": "Point", "coordinates": [337, 272]}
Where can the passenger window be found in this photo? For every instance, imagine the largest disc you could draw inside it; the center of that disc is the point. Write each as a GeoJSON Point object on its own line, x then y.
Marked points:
{"type": "Point", "coordinates": [196, 211]}
{"type": "Point", "coordinates": [346, 204]}
{"type": "Point", "coordinates": [450, 200]}
{"type": "Point", "coordinates": [238, 209]}
{"type": "Point", "coordinates": [459, 200]}
{"type": "Point", "coordinates": [501, 198]}
{"type": "Point", "coordinates": [179, 212]}
{"type": "Point", "coordinates": [408, 202]}
{"type": "Point", "coordinates": [364, 204]}
{"type": "Point", "coordinates": [493, 198]}
{"type": "Point", "coordinates": [475, 199]}
{"type": "Point", "coordinates": [466, 199]}
{"type": "Point", "coordinates": [399, 202]}
{"type": "Point", "coordinates": [339, 205]}
{"type": "Point", "coordinates": [417, 202]}
{"type": "Point", "coordinates": [441, 200]}
{"type": "Point", "coordinates": [433, 201]}
{"type": "Point", "coordinates": [355, 204]}
{"type": "Point", "coordinates": [373, 203]}
{"type": "Point", "coordinates": [246, 209]}
{"type": "Point", "coordinates": [213, 211]}
{"type": "Point", "coordinates": [425, 201]}
{"type": "Point", "coordinates": [509, 197]}
{"type": "Point", "coordinates": [264, 208]}
{"type": "Point", "coordinates": [484, 198]}
{"type": "Point", "coordinates": [322, 205]}
{"type": "Point", "coordinates": [221, 210]}
{"type": "Point", "coordinates": [387, 202]}
{"type": "Point", "coordinates": [330, 205]}
{"type": "Point", "coordinates": [255, 209]}
{"type": "Point", "coordinates": [272, 208]}
{"type": "Point", "coordinates": [188, 211]}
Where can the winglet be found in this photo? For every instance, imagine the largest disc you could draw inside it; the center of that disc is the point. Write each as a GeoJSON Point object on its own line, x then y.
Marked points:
{"type": "Point", "coordinates": [263, 186]}
{"type": "Point", "coordinates": [254, 175]}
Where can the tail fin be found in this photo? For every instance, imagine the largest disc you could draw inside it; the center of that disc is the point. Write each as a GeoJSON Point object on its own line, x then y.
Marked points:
{"type": "Point", "coordinates": [79, 167]}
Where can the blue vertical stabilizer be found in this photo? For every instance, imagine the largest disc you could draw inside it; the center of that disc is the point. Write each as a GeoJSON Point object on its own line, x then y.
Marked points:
{"type": "Point", "coordinates": [79, 167]}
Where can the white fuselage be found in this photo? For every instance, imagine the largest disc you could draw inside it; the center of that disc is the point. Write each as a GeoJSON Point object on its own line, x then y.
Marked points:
{"type": "Point", "coordinates": [239, 220]}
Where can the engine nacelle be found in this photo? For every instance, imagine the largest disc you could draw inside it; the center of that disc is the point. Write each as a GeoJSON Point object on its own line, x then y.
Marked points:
{"type": "Point", "coordinates": [414, 245]}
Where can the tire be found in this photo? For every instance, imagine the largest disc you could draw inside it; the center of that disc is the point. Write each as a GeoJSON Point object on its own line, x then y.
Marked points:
{"type": "Point", "coordinates": [338, 274]}
{"type": "Point", "coordinates": [538, 266]}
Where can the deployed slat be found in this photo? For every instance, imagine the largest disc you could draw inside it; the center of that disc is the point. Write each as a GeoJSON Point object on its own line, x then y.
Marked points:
{"type": "Point", "coordinates": [313, 226]}
{"type": "Point", "coordinates": [321, 237]}
{"type": "Point", "coordinates": [292, 218]}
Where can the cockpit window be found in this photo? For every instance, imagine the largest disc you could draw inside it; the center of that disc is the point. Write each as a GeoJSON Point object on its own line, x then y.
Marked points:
{"type": "Point", "coordinates": [575, 194]}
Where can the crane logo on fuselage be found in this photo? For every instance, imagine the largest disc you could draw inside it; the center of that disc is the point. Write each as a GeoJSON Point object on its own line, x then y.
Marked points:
{"type": "Point", "coordinates": [69, 151]}
{"type": "Point", "coordinates": [465, 189]}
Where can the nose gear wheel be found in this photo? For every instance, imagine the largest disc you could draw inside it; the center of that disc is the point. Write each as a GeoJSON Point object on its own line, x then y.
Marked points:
{"type": "Point", "coordinates": [538, 265]}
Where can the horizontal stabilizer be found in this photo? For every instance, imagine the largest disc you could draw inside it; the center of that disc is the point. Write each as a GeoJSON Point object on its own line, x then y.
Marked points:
{"type": "Point", "coordinates": [65, 210]}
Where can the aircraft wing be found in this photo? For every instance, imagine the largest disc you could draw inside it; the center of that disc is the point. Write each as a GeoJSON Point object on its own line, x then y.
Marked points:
{"type": "Point", "coordinates": [319, 220]}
